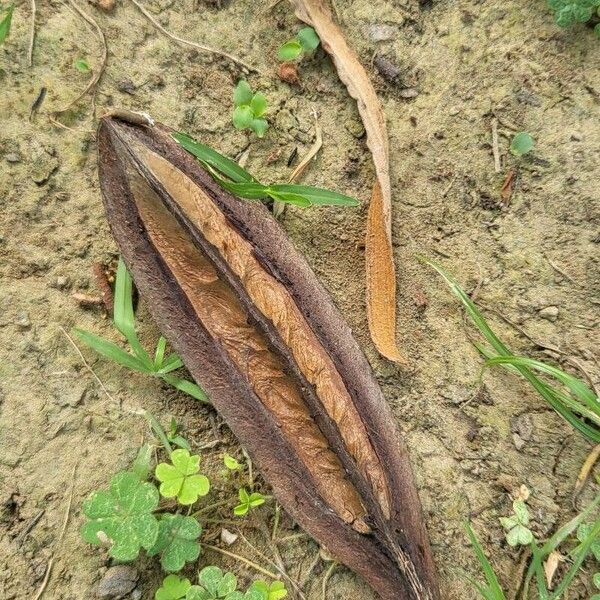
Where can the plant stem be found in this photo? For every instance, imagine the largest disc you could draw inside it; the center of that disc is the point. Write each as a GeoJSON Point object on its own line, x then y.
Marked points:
{"type": "Point", "coordinates": [241, 559]}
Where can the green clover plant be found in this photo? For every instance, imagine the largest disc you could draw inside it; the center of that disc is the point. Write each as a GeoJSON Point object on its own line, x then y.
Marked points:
{"type": "Point", "coordinates": [305, 42]}
{"type": "Point", "coordinates": [273, 591]}
{"type": "Point", "coordinates": [181, 479]}
{"type": "Point", "coordinates": [249, 109]}
{"type": "Point", "coordinates": [248, 501]}
{"type": "Point", "coordinates": [138, 359]}
{"type": "Point", "coordinates": [173, 588]}
{"type": "Point", "coordinates": [570, 12]}
{"type": "Point", "coordinates": [177, 541]}
{"type": "Point", "coordinates": [231, 463]}
{"type": "Point", "coordinates": [521, 144]}
{"type": "Point", "coordinates": [122, 516]}
{"type": "Point", "coordinates": [517, 532]}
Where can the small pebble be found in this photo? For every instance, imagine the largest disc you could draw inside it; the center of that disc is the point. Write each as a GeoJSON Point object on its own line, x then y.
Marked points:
{"type": "Point", "coordinates": [380, 32]}
{"type": "Point", "coordinates": [575, 137]}
{"type": "Point", "coordinates": [23, 321]}
{"type": "Point", "coordinates": [117, 582]}
{"type": "Point", "coordinates": [62, 282]}
{"type": "Point", "coordinates": [550, 313]}
{"type": "Point", "coordinates": [409, 93]}
{"type": "Point", "coordinates": [13, 157]}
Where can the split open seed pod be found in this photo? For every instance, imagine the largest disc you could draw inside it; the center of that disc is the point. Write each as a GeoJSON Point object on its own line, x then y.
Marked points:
{"type": "Point", "coordinates": [261, 335]}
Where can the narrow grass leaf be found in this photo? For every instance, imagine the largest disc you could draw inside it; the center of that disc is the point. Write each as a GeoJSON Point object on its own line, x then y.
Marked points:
{"type": "Point", "coordinates": [188, 387]}
{"type": "Point", "coordinates": [6, 22]}
{"type": "Point", "coordinates": [111, 351]}
{"type": "Point", "coordinates": [493, 591]}
{"type": "Point", "coordinates": [315, 195]}
{"type": "Point", "coordinates": [159, 355]}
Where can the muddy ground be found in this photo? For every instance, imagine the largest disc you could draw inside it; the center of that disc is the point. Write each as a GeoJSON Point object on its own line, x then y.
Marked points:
{"type": "Point", "coordinates": [534, 257]}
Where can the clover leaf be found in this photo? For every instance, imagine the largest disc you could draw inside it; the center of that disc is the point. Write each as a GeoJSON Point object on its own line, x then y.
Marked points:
{"type": "Point", "coordinates": [249, 108]}
{"type": "Point", "coordinates": [181, 479]}
{"type": "Point", "coordinates": [583, 532]}
{"type": "Point", "coordinates": [173, 588]}
{"type": "Point", "coordinates": [275, 591]}
{"type": "Point", "coordinates": [305, 42]}
{"type": "Point", "coordinates": [231, 463]}
{"type": "Point", "coordinates": [123, 515]}
{"type": "Point", "coordinates": [214, 585]}
{"type": "Point", "coordinates": [247, 501]}
{"type": "Point", "coordinates": [522, 143]}
{"type": "Point", "coordinates": [176, 542]}
{"type": "Point", "coordinates": [517, 532]}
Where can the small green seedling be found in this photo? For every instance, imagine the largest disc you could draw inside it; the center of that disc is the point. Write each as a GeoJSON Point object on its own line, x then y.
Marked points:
{"type": "Point", "coordinates": [137, 360]}
{"type": "Point", "coordinates": [570, 12]}
{"type": "Point", "coordinates": [122, 516]}
{"type": "Point", "coordinates": [181, 478]}
{"type": "Point", "coordinates": [248, 501]}
{"type": "Point", "coordinates": [274, 591]}
{"type": "Point", "coordinates": [596, 581]}
{"type": "Point", "coordinates": [517, 532]}
{"type": "Point", "coordinates": [6, 22]}
{"type": "Point", "coordinates": [229, 175]}
{"type": "Point", "coordinates": [305, 42]}
{"type": "Point", "coordinates": [521, 144]}
{"type": "Point", "coordinates": [173, 588]}
{"type": "Point", "coordinates": [249, 109]}
{"type": "Point", "coordinates": [82, 66]}
{"type": "Point", "coordinates": [231, 463]}
{"type": "Point", "coordinates": [583, 532]}
{"type": "Point", "coordinates": [176, 439]}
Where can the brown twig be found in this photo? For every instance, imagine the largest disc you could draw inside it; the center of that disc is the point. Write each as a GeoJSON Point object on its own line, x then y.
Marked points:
{"type": "Point", "coordinates": [241, 559]}
{"type": "Point", "coordinates": [585, 471]}
{"type": "Point", "coordinates": [32, 33]}
{"type": "Point", "coordinates": [103, 285]}
{"type": "Point", "coordinates": [185, 42]}
{"type": "Point", "coordinates": [97, 74]}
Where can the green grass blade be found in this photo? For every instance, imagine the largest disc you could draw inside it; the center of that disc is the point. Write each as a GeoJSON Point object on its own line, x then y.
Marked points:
{"type": "Point", "coordinates": [171, 363]}
{"type": "Point", "coordinates": [159, 355]}
{"type": "Point", "coordinates": [222, 164]}
{"type": "Point", "coordinates": [6, 22]}
{"type": "Point", "coordinates": [187, 387]}
{"type": "Point", "coordinates": [537, 564]}
{"type": "Point", "coordinates": [123, 312]}
{"type": "Point", "coordinates": [159, 432]}
{"type": "Point", "coordinates": [288, 198]}
{"type": "Point", "coordinates": [318, 196]}
{"type": "Point", "coordinates": [250, 190]}
{"type": "Point", "coordinates": [494, 591]}
{"type": "Point", "coordinates": [111, 351]}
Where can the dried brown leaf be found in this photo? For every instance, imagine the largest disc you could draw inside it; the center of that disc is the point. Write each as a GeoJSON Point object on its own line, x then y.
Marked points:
{"type": "Point", "coordinates": [381, 277]}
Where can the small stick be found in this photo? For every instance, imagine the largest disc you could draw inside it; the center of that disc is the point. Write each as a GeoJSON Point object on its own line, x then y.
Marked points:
{"type": "Point", "coordinates": [98, 72]}
{"type": "Point", "coordinates": [495, 150]}
{"type": "Point", "coordinates": [32, 33]}
{"type": "Point", "coordinates": [250, 474]}
{"type": "Point", "coordinates": [585, 471]}
{"type": "Point", "coordinates": [185, 42]}
{"type": "Point", "coordinates": [87, 366]}
{"type": "Point", "coordinates": [241, 559]}
{"type": "Point", "coordinates": [560, 271]}
{"type": "Point", "coordinates": [21, 537]}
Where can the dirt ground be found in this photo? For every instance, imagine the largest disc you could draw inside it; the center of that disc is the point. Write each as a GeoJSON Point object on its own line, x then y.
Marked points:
{"type": "Point", "coordinates": [534, 257]}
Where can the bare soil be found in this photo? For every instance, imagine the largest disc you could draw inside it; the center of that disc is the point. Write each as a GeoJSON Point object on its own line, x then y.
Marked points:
{"type": "Point", "coordinates": [459, 65]}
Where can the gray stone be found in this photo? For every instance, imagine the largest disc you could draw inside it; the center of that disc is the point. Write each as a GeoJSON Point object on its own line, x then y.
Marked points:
{"type": "Point", "coordinates": [117, 582]}
{"type": "Point", "coordinates": [380, 32]}
{"type": "Point", "coordinates": [550, 313]}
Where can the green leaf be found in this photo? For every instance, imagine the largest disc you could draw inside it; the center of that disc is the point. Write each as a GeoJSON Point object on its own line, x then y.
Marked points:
{"type": "Point", "coordinates": [521, 144]}
{"type": "Point", "coordinates": [173, 588]}
{"type": "Point", "coordinates": [111, 351]}
{"type": "Point", "coordinates": [289, 51]}
{"type": "Point", "coordinates": [124, 515]}
{"type": "Point", "coordinates": [159, 354]}
{"type": "Point", "coordinates": [319, 196]}
{"type": "Point", "coordinates": [180, 479]}
{"type": "Point", "coordinates": [583, 532]}
{"type": "Point", "coordinates": [227, 585]}
{"type": "Point", "coordinates": [231, 463]}
{"type": "Point", "coordinates": [493, 591]}
{"type": "Point", "coordinates": [242, 117]}
{"type": "Point", "coordinates": [275, 591]}
{"type": "Point", "coordinates": [521, 512]}
{"type": "Point", "coordinates": [123, 312]}
{"type": "Point", "coordinates": [242, 93]}
{"type": "Point", "coordinates": [596, 580]}
{"type": "Point", "coordinates": [519, 536]}
{"type": "Point", "coordinates": [82, 66]}
{"type": "Point", "coordinates": [308, 38]}
{"type": "Point", "coordinates": [204, 153]}
{"type": "Point", "coordinates": [6, 22]}
{"type": "Point", "coordinates": [259, 126]}
{"type": "Point", "coordinates": [188, 387]}
{"type": "Point", "coordinates": [177, 541]}
{"type": "Point", "coordinates": [509, 522]}
{"type": "Point", "coordinates": [141, 464]}
{"type": "Point", "coordinates": [293, 199]}
{"type": "Point", "coordinates": [258, 104]}
{"type": "Point", "coordinates": [198, 593]}
{"type": "Point", "coordinates": [247, 501]}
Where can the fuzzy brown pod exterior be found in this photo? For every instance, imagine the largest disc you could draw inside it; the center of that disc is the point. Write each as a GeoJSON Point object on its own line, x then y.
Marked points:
{"type": "Point", "coordinates": [261, 335]}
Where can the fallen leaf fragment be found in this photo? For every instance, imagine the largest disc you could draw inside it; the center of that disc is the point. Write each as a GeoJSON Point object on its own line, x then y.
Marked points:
{"type": "Point", "coordinates": [381, 276]}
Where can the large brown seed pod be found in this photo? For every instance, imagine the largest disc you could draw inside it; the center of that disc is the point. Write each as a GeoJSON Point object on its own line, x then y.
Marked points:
{"type": "Point", "coordinates": [263, 338]}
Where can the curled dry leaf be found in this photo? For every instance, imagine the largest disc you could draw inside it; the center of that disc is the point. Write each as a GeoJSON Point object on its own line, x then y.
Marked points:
{"type": "Point", "coordinates": [256, 329]}
{"type": "Point", "coordinates": [381, 276]}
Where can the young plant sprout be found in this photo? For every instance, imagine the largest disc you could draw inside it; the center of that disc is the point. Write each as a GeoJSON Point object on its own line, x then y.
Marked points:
{"type": "Point", "coordinates": [5, 22]}
{"type": "Point", "coordinates": [521, 144]}
{"type": "Point", "coordinates": [517, 532]}
{"type": "Point", "coordinates": [229, 175]}
{"type": "Point", "coordinates": [305, 42]}
{"type": "Point", "coordinates": [570, 12]}
{"type": "Point", "coordinates": [82, 66]}
{"type": "Point", "coordinates": [138, 359]}
{"type": "Point", "coordinates": [249, 109]}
